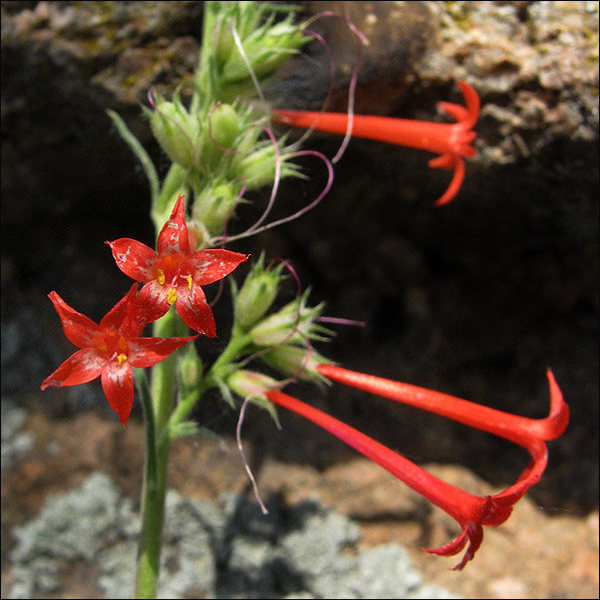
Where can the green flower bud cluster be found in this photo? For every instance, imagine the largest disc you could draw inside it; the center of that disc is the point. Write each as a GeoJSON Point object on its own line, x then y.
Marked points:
{"type": "Point", "coordinates": [197, 140]}
{"type": "Point", "coordinates": [218, 153]}
{"type": "Point", "coordinates": [262, 44]}
{"type": "Point", "coordinates": [217, 143]}
{"type": "Point", "coordinates": [281, 339]}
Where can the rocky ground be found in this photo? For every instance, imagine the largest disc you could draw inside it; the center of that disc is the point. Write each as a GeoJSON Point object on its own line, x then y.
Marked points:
{"type": "Point", "coordinates": [69, 519]}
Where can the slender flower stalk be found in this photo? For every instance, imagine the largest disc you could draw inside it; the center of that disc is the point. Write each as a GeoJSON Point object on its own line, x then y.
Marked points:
{"type": "Point", "coordinates": [471, 512]}
{"type": "Point", "coordinates": [451, 140]}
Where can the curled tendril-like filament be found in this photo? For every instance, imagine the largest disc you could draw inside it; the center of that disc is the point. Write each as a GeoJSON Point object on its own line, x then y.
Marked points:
{"type": "Point", "coordinates": [362, 41]}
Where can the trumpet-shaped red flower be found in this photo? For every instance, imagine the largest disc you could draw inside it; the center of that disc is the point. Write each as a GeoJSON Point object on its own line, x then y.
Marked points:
{"type": "Point", "coordinates": [109, 350]}
{"type": "Point", "coordinates": [451, 140]}
{"type": "Point", "coordinates": [471, 512]}
{"type": "Point", "coordinates": [174, 274]}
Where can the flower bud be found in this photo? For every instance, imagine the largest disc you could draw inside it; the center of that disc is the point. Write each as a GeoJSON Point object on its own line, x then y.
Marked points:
{"type": "Point", "coordinates": [224, 125]}
{"type": "Point", "coordinates": [220, 132]}
{"type": "Point", "coordinates": [256, 295]}
{"type": "Point", "coordinates": [215, 204]}
{"type": "Point", "coordinates": [257, 169]}
{"type": "Point", "coordinates": [265, 48]}
{"type": "Point", "coordinates": [250, 383]}
{"type": "Point", "coordinates": [295, 322]}
{"type": "Point", "coordinates": [296, 361]}
{"type": "Point", "coordinates": [253, 385]}
{"type": "Point", "coordinates": [189, 369]}
{"type": "Point", "coordinates": [175, 131]}
{"type": "Point", "coordinates": [224, 46]}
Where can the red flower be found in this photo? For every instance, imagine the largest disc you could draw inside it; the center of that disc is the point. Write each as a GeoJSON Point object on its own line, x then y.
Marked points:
{"type": "Point", "coordinates": [174, 274]}
{"type": "Point", "coordinates": [109, 350]}
{"type": "Point", "coordinates": [451, 140]}
{"type": "Point", "coordinates": [471, 512]}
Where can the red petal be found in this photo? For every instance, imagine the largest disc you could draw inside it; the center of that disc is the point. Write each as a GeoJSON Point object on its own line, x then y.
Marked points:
{"type": "Point", "coordinates": [117, 383]}
{"type": "Point", "coordinates": [528, 478]}
{"type": "Point", "coordinates": [473, 533]}
{"type": "Point", "coordinates": [145, 352]}
{"type": "Point", "coordinates": [173, 237]}
{"type": "Point", "coordinates": [208, 266]}
{"type": "Point", "coordinates": [456, 111]}
{"type": "Point", "coordinates": [135, 259]}
{"type": "Point", "coordinates": [557, 421]}
{"type": "Point", "coordinates": [473, 104]}
{"type": "Point", "coordinates": [81, 367]}
{"type": "Point", "coordinates": [194, 310]}
{"type": "Point", "coordinates": [152, 302]}
{"type": "Point", "coordinates": [137, 319]}
{"type": "Point", "coordinates": [454, 187]}
{"type": "Point", "coordinates": [453, 547]}
{"type": "Point", "coordinates": [116, 316]}
{"type": "Point", "coordinates": [445, 161]}
{"type": "Point", "coordinates": [79, 329]}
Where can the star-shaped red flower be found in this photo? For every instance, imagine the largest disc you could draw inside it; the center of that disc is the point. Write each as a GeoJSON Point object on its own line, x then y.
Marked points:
{"type": "Point", "coordinates": [109, 350]}
{"type": "Point", "coordinates": [174, 274]}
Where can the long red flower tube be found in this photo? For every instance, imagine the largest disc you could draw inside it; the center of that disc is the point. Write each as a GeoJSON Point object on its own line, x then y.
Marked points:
{"type": "Point", "coordinates": [471, 512]}
{"type": "Point", "coordinates": [451, 140]}
{"type": "Point", "coordinates": [519, 430]}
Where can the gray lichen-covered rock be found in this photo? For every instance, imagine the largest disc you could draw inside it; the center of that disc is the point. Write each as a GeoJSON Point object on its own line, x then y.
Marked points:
{"type": "Point", "coordinates": [227, 551]}
{"type": "Point", "coordinates": [15, 442]}
{"type": "Point", "coordinates": [74, 526]}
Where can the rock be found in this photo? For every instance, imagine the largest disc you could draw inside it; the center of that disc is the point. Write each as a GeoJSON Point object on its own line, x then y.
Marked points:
{"type": "Point", "coordinates": [206, 550]}
{"type": "Point", "coordinates": [359, 519]}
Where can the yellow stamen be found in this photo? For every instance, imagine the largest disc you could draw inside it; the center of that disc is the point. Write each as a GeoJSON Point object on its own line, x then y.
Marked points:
{"type": "Point", "coordinates": [189, 280]}
{"type": "Point", "coordinates": [161, 276]}
{"type": "Point", "coordinates": [171, 296]}
{"type": "Point", "coordinates": [121, 358]}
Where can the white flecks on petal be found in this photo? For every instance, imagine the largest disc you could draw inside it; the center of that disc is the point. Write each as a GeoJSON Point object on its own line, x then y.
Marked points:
{"type": "Point", "coordinates": [123, 256]}
{"type": "Point", "coordinates": [90, 361]}
{"type": "Point", "coordinates": [118, 373]}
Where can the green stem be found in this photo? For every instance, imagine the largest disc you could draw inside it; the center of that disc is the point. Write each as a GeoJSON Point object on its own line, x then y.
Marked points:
{"type": "Point", "coordinates": [204, 84]}
{"type": "Point", "coordinates": [148, 548]}
{"type": "Point", "coordinates": [157, 409]}
{"type": "Point", "coordinates": [236, 345]}
{"type": "Point", "coordinates": [184, 406]}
